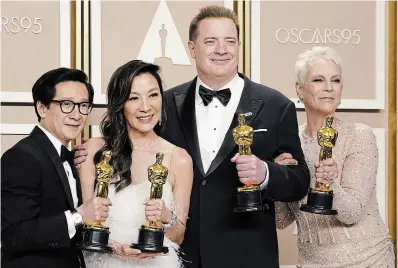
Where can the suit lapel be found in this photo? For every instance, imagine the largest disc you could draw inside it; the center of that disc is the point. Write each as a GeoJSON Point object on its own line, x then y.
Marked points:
{"type": "Point", "coordinates": [185, 105]}
{"type": "Point", "coordinates": [40, 137]}
{"type": "Point", "coordinates": [247, 104]}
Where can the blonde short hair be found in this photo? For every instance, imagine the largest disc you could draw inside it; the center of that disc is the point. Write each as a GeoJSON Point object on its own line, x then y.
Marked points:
{"type": "Point", "coordinates": [301, 66]}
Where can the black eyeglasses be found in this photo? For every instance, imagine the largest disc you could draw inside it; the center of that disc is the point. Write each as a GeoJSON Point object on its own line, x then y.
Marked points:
{"type": "Point", "coordinates": [67, 106]}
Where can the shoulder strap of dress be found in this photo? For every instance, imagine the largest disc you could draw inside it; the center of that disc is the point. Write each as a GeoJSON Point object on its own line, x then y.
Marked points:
{"type": "Point", "coordinates": [171, 155]}
{"type": "Point", "coordinates": [169, 165]}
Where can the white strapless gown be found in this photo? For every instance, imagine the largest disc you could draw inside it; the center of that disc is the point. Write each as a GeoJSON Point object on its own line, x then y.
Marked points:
{"type": "Point", "coordinates": [126, 216]}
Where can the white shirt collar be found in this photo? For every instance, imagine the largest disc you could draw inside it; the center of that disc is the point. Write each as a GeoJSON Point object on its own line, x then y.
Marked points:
{"type": "Point", "coordinates": [54, 140]}
{"type": "Point", "coordinates": [231, 85]}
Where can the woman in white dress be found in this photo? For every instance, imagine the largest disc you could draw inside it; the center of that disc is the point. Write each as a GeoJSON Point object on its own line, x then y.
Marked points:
{"type": "Point", "coordinates": [130, 129]}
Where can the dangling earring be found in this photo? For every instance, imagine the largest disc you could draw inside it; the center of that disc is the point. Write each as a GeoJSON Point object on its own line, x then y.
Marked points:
{"type": "Point", "coordinates": [301, 99]}
{"type": "Point", "coordinates": [160, 120]}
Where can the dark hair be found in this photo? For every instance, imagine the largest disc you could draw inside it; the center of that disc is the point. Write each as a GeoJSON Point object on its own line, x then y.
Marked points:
{"type": "Point", "coordinates": [114, 124]}
{"type": "Point", "coordinates": [211, 12]}
{"type": "Point", "coordinates": [44, 89]}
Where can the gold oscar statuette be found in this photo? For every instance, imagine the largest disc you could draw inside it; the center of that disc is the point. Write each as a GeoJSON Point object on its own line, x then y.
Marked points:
{"type": "Point", "coordinates": [320, 197]}
{"type": "Point", "coordinates": [151, 236]}
{"type": "Point", "coordinates": [249, 196]}
{"type": "Point", "coordinates": [95, 234]}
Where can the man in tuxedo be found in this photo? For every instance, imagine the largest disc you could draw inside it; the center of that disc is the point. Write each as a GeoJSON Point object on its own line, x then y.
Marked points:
{"type": "Point", "coordinates": [41, 209]}
{"type": "Point", "coordinates": [201, 116]}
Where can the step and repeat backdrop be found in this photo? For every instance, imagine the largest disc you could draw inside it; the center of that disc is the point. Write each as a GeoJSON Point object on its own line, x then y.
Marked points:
{"type": "Point", "coordinates": [36, 37]}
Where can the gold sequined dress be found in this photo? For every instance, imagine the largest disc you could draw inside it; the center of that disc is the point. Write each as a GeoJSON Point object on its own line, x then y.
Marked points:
{"type": "Point", "coordinates": [357, 237]}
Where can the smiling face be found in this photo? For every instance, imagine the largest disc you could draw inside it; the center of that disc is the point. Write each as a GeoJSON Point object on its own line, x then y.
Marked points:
{"type": "Point", "coordinates": [322, 87]}
{"type": "Point", "coordinates": [216, 50]}
{"type": "Point", "coordinates": [143, 108]}
{"type": "Point", "coordinates": [65, 127]}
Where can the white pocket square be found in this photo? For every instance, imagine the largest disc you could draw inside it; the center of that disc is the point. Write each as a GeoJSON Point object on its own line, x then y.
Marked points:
{"type": "Point", "coordinates": [260, 130]}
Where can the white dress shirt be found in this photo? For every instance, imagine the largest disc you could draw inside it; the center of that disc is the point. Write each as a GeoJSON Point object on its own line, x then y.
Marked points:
{"type": "Point", "coordinates": [72, 181]}
{"type": "Point", "coordinates": [213, 121]}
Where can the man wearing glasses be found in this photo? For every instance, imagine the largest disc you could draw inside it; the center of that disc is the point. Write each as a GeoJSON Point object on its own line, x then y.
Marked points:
{"type": "Point", "coordinates": [41, 200]}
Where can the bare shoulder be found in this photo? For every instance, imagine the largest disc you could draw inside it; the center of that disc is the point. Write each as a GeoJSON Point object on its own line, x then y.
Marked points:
{"type": "Point", "coordinates": [181, 163]}
{"type": "Point", "coordinates": [181, 158]}
{"type": "Point", "coordinates": [94, 144]}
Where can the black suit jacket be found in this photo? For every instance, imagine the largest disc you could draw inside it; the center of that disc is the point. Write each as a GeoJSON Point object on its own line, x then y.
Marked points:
{"type": "Point", "coordinates": [35, 193]}
{"type": "Point", "coordinates": [215, 236]}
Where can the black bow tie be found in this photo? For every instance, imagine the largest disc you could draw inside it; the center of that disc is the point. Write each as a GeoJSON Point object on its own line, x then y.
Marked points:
{"type": "Point", "coordinates": [207, 95]}
{"type": "Point", "coordinates": [67, 155]}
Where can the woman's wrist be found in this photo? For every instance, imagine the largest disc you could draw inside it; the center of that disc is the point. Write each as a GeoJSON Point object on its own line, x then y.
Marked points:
{"type": "Point", "coordinates": [171, 219]}
{"type": "Point", "coordinates": [167, 214]}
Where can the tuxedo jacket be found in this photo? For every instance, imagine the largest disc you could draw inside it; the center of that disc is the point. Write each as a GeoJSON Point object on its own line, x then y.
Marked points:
{"type": "Point", "coordinates": [35, 193]}
{"type": "Point", "coordinates": [216, 236]}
